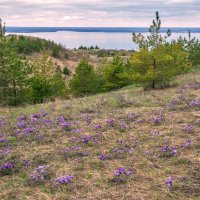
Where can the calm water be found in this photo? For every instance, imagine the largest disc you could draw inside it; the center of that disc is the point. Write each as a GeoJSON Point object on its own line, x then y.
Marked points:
{"type": "Point", "coordinates": [110, 38]}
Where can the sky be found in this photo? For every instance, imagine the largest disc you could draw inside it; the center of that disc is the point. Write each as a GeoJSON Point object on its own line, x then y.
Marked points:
{"type": "Point", "coordinates": [99, 13]}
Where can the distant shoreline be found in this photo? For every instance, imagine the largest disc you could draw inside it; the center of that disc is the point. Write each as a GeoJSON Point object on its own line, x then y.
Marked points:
{"type": "Point", "coordinates": [95, 29]}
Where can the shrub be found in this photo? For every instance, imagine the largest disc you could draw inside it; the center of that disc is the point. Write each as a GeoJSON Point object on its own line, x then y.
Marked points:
{"type": "Point", "coordinates": [66, 55]}
{"type": "Point", "coordinates": [115, 74]}
{"type": "Point", "coordinates": [85, 81]}
{"type": "Point", "coordinates": [192, 46]}
{"type": "Point", "coordinates": [66, 71]}
{"type": "Point", "coordinates": [40, 89]}
{"type": "Point", "coordinates": [56, 51]}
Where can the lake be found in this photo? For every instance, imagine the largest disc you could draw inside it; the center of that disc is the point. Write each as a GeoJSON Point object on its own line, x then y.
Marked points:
{"type": "Point", "coordinates": [105, 38]}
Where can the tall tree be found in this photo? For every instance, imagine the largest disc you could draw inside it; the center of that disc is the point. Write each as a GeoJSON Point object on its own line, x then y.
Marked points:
{"type": "Point", "coordinates": [155, 38]}
{"type": "Point", "coordinates": [14, 70]}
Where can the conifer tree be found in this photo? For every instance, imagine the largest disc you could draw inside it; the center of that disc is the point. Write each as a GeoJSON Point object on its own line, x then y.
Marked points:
{"type": "Point", "coordinates": [155, 38]}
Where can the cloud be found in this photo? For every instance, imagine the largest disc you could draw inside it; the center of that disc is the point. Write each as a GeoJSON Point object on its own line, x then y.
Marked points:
{"type": "Point", "coordinates": [180, 13]}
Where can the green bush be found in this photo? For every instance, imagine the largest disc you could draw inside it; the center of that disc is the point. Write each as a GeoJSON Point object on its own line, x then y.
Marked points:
{"type": "Point", "coordinates": [85, 80]}
{"type": "Point", "coordinates": [56, 51]}
{"type": "Point", "coordinates": [66, 71]}
{"type": "Point", "coordinates": [66, 55]}
{"type": "Point", "coordinates": [192, 46]}
{"type": "Point", "coordinates": [115, 74]}
{"type": "Point", "coordinates": [40, 89]}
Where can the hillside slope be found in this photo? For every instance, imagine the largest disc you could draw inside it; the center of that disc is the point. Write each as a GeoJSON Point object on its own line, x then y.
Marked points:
{"type": "Point", "coordinates": [155, 135]}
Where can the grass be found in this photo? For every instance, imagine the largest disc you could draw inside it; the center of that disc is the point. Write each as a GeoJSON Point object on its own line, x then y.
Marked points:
{"type": "Point", "coordinates": [139, 148]}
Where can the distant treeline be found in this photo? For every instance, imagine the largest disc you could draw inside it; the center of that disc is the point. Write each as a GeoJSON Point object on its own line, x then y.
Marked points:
{"type": "Point", "coordinates": [88, 48]}
{"type": "Point", "coordinates": [28, 45]}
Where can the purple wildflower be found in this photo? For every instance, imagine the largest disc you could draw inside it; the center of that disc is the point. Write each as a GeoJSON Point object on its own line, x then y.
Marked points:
{"type": "Point", "coordinates": [88, 119]}
{"type": "Point", "coordinates": [187, 143]}
{"type": "Point", "coordinates": [188, 128]}
{"type": "Point", "coordinates": [123, 126]}
{"type": "Point", "coordinates": [65, 124]}
{"type": "Point", "coordinates": [21, 124]}
{"type": "Point", "coordinates": [169, 182]}
{"type": "Point", "coordinates": [36, 116]}
{"type": "Point", "coordinates": [195, 103]}
{"type": "Point", "coordinates": [158, 119]}
{"type": "Point", "coordinates": [98, 126]}
{"type": "Point", "coordinates": [110, 122]}
{"type": "Point", "coordinates": [103, 157]}
{"type": "Point", "coordinates": [174, 150]}
{"type": "Point", "coordinates": [7, 166]}
{"type": "Point", "coordinates": [132, 116]}
{"type": "Point", "coordinates": [64, 180]}
{"type": "Point", "coordinates": [121, 174]}
{"type": "Point", "coordinates": [5, 151]}
{"type": "Point", "coordinates": [40, 173]}
{"type": "Point", "coordinates": [22, 118]}
{"type": "Point", "coordinates": [184, 179]}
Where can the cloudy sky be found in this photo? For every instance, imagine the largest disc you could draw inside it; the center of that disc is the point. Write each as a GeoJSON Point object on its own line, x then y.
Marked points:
{"type": "Point", "coordinates": [125, 13]}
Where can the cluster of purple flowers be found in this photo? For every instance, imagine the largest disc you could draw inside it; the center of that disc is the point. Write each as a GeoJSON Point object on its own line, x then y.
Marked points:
{"type": "Point", "coordinates": [72, 149]}
{"type": "Point", "coordinates": [122, 171]}
{"type": "Point", "coordinates": [166, 151]}
{"type": "Point", "coordinates": [22, 118]}
{"type": "Point", "coordinates": [158, 119]}
{"type": "Point", "coordinates": [63, 123]}
{"type": "Point", "coordinates": [122, 151]}
{"type": "Point", "coordinates": [132, 116]}
{"type": "Point", "coordinates": [21, 124]}
{"type": "Point", "coordinates": [195, 86]}
{"type": "Point", "coordinates": [63, 180]}
{"type": "Point", "coordinates": [40, 173]}
{"type": "Point", "coordinates": [110, 122]}
{"type": "Point", "coordinates": [97, 126]}
{"type": "Point", "coordinates": [88, 119]}
{"type": "Point", "coordinates": [103, 157]}
{"type": "Point", "coordinates": [5, 151]}
{"type": "Point", "coordinates": [2, 123]}
{"type": "Point", "coordinates": [198, 121]}
{"type": "Point", "coordinates": [6, 168]}
{"type": "Point", "coordinates": [90, 138]}
{"type": "Point", "coordinates": [187, 143]}
{"type": "Point", "coordinates": [188, 128]}
{"type": "Point", "coordinates": [195, 104]}
{"type": "Point", "coordinates": [121, 174]}
{"type": "Point", "coordinates": [169, 182]}
{"type": "Point", "coordinates": [3, 138]}
{"type": "Point", "coordinates": [123, 126]}
{"type": "Point", "coordinates": [77, 130]}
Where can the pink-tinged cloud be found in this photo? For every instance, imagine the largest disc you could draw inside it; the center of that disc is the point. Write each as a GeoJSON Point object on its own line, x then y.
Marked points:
{"type": "Point", "coordinates": [104, 13]}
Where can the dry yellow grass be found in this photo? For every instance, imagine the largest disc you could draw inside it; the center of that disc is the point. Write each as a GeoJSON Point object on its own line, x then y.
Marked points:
{"type": "Point", "coordinates": [92, 176]}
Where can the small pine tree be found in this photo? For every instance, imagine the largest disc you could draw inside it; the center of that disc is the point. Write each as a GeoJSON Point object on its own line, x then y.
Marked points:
{"type": "Point", "coordinates": [156, 68]}
{"type": "Point", "coordinates": [84, 81]}
{"type": "Point", "coordinates": [56, 51]}
{"type": "Point", "coordinates": [115, 74]}
{"type": "Point", "coordinates": [14, 71]}
{"type": "Point", "coordinates": [157, 61]}
{"type": "Point", "coordinates": [154, 39]}
{"type": "Point", "coordinates": [66, 71]}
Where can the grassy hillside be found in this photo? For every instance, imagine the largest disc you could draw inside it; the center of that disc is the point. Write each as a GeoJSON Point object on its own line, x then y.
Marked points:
{"type": "Point", "coordinates": [153, 134]}
{"type": "Point", "coordinates": [33, 48]}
